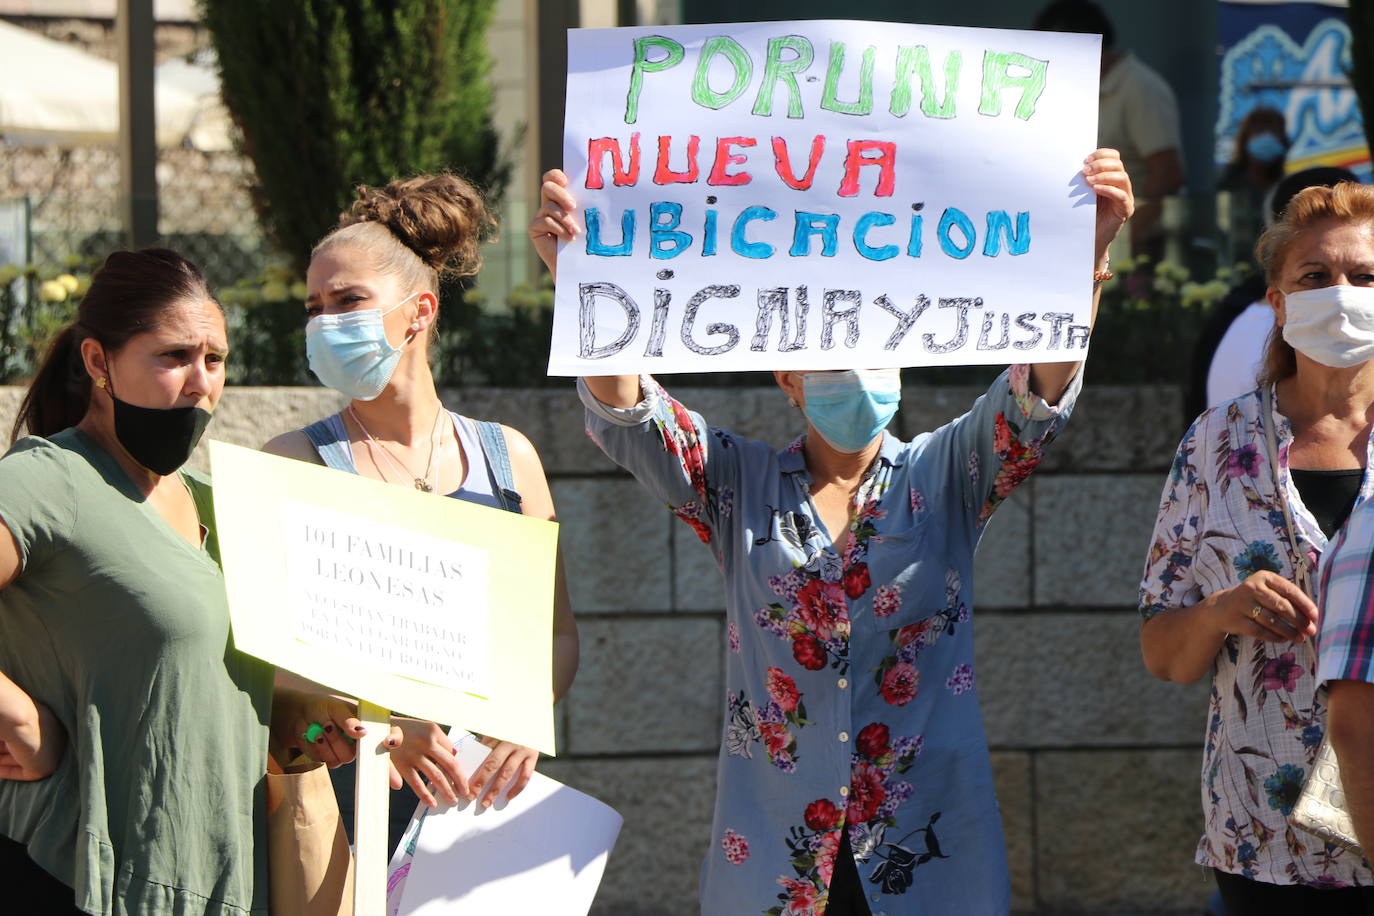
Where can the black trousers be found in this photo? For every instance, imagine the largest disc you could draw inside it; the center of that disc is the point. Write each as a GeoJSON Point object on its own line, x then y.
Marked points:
{"type": "Point", "coordinates": [846, 889]}
{"type": "Point", "coordinates": [39, 891]}
{"type": "Point", "coordinates": [1243, 897]}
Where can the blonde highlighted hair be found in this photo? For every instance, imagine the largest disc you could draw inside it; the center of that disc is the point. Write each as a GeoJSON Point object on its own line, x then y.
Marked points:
{"type": "Point", "coordinates": [1345, 201]}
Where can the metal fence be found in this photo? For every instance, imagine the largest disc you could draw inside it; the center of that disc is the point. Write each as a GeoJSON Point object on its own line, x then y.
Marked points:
{"type": "Point", "coordinates": [71, 198]}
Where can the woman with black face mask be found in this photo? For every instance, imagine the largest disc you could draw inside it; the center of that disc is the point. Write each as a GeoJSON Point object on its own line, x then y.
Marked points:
{"type": "Point", "coordinates": [133, 737]}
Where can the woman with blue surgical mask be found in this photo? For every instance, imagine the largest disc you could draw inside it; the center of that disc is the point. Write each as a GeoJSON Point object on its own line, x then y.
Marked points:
{"type": "Point", "coordinates": [853, 774]}
{"type": "Point", "coordinates": [1247, 183]}
{"type": "Point", "coordinates": [371, 314]}
{"type": "Point", "coordinates": [1261, 488]}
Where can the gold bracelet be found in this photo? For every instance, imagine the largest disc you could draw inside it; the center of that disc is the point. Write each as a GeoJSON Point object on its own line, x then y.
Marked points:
{"type": "Point", "coordinates": [1102, 276]}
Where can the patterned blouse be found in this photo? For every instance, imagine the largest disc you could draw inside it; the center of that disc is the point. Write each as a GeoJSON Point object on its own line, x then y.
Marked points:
{"type": "Point", "coordinates": [1219, 522]}
{"type": "Point", "coordinates": [850, 699]}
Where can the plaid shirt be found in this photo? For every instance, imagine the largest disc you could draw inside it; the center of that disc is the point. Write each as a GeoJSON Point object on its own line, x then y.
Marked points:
{"type": "Point", "coordinates": [1345, 645]}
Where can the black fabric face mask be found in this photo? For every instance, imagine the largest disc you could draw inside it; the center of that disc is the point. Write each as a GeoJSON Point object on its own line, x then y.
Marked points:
{"type": "Point", "coordinates": [159, 438]}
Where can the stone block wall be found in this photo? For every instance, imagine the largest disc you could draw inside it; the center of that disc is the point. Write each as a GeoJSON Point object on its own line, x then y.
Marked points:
{"type": "Point", "coordinates": [1096, 762]}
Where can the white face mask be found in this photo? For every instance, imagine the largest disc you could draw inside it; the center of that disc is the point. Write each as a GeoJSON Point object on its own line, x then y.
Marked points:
{"type": "Point", "coordinates": [1333, 325]}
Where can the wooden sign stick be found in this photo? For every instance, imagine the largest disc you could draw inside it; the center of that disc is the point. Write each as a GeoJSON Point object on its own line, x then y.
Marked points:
{"type": "Point", "coordinates": [372, 795]}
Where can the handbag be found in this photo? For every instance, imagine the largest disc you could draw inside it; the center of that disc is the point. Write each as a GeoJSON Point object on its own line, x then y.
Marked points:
{"type": "Point", "coordinates": [310, 867]}
{"type": "Point", "coordinates": [1320, 808]}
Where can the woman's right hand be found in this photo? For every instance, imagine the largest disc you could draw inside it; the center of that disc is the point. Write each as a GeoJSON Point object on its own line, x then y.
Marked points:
{"type": "Point", "coordinates": [425, 760]}
{"type": "Point", "coordinates": [32, 741]}
{"type": "Point", "coordinates": [553, 221]}
{"type": "Point", "coordinates": [1268, 607]}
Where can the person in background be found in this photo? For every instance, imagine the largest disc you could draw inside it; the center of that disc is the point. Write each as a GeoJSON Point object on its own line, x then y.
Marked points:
{"type": "Point", "coordinates": [1229, 354]}
{"type": "Point", "coordinates": [853, 774]}
{"type": "Point", "coordinates": [1248, 180]}
{"type": "Point", "coordinates": [1259, 487]}
{"type": "Point", "coordinates": [133, 736]}
{"type": "Point", "coordinates": [1137, 115]}
{"type": "Point", "coordinates": [372, 315]}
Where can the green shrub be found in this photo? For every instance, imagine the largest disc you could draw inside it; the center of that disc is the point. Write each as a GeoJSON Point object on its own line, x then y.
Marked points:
{"type": "Point", "coordinates": [331, 95]}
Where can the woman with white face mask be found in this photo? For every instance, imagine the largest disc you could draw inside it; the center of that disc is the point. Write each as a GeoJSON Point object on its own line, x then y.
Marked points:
{"type": "Point", "coordinates": [853, 774]}
{"type": "Point", "coordinates": [1259, 487]}
{"type": "Point", "coordinates": [372, 306]}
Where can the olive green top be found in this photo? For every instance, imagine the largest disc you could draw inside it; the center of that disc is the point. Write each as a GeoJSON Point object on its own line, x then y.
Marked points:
{"type": "Point", "coordinates": [120, 626]}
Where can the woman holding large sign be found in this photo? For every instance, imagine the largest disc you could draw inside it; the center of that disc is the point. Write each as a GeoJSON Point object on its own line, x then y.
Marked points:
{"type": "Point", "coordinates": [372, 281]}
{"type": "Point", "coordinates": [133, 737]}
{"type": "Point", "coordinates": [853, 765]}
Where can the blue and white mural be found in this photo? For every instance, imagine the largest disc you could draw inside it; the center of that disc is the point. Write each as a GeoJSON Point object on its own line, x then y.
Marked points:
{"type": "Point", "coordinates": [1292, 57]}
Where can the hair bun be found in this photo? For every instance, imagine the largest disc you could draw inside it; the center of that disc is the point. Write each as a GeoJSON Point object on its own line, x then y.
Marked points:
{"type": "Point", "coordinates": [442, 218]}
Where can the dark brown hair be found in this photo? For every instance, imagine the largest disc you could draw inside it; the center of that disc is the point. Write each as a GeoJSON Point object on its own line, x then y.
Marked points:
{"type": "Point", "coordinates": [1347, 202]}
{"type": "Point", "coordinates": [129, 294]}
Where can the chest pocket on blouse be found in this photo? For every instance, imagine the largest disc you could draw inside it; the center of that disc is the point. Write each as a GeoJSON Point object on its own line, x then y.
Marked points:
{"type": "Point", "coordinates": [907, 583]}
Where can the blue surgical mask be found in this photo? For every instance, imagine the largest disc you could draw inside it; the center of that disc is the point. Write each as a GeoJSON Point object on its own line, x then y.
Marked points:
{"type": "Point", "coordinates": [1265, 147]}
{"type": "Point", "coordinates": [349, 351]}
{"type": "Point", "coordinates": [850, 409]}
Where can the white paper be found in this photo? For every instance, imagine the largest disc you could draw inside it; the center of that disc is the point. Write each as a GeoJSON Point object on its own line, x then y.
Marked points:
{"type": "Point", "coordinates": [385, 596]}
{"type": "Point", "coordinates": [966, 240]}
{"type": "Point", "coordinates": [542, 852]}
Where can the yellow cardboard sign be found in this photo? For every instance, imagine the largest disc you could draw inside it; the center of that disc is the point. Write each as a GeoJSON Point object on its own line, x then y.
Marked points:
{"type": "Point", "coordinates": [433, 608]}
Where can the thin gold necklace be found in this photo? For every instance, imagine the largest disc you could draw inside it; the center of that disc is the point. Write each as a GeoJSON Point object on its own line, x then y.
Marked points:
{"type": "Point", "coordinates": [421, 483]}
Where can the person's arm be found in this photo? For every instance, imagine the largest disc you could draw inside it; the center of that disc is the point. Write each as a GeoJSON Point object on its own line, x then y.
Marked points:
{"type": "Point", "coordinates": [32, 741]}
{"type": "Point", "coordinates": [294, 444]}
{"type": "Point", "coordinates": [1181, 630]}
{"type": "Point", "coordinates": [1345, 664]}
{"type": "Point", "coordinates": [1181, 643]}
{"type": "Point", "coordinates": [554, 223]}
{"type": "Point", "coordinates": [537, 502]}
{"type": "Point", "coordinates": [511, 764]}
{"type": "Point", "coordinates": [995, 446]}
{"type": "Point", "coordinates": [1105, 174]}
{"type": "Point", "coordinates": [1350, 723]}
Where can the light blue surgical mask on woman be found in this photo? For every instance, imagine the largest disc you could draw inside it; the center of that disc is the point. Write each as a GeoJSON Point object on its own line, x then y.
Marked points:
{"type": "Point", "coordinates": [849, 409]}
{"type": "Point", "coordinates": [349, 351]}
{"type": "Point", "coordinates": [1265, 147]}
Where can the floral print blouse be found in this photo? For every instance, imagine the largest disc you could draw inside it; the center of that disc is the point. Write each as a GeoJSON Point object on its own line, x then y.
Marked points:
{"type": "Point", "coordinates": [851, 700]}
{"type": "Point", "coordinates": [1219, 522]}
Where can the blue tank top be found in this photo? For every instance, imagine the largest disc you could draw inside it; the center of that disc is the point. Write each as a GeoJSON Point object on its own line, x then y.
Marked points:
{"type": "Point", "coordinates": [489, 480]}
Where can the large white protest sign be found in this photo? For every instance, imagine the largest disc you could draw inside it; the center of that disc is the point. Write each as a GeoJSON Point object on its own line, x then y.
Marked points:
{"type": "Point", "coordinates": [820, 195]}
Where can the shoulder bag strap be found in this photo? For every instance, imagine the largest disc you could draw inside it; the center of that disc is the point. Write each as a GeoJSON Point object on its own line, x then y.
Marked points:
{"type": "Point", "coordinates": [1301, 564]}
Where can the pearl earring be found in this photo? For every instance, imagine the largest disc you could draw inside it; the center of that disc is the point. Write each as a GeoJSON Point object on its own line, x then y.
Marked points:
{"type": "Point", "coordinates": [415, 325]}
{"type": "Point", "coordinates": [791, 402]}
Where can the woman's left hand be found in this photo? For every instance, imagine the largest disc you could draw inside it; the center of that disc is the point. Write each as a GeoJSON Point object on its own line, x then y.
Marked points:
{"type": "Point", "coordinates": [294, 713]}
{"type": "Point", "coordinates": [1106, 175]}
{"type": "Point", "coordinates": [507, 764]}
{"type": "Point", "coordinates": [31, 749]}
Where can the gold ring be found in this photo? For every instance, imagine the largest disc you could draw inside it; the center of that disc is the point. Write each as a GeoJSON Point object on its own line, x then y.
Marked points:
{"type": "Point", "coordinates": [1255, 611]}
